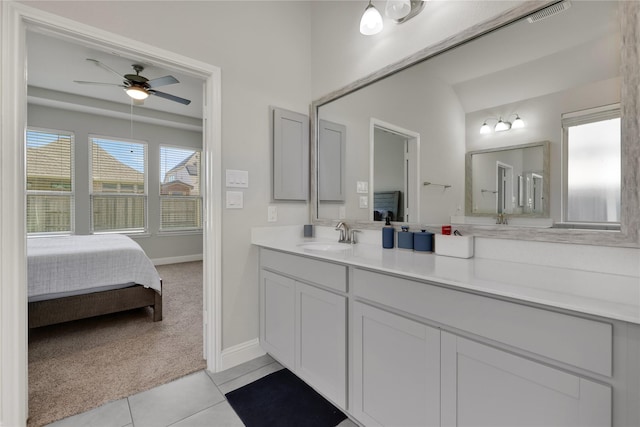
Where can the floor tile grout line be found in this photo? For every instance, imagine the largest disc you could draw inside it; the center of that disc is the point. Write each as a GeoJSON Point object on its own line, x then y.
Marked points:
{"type": "Point", "coordinates": [133, 424]}
{"type": "Point", "coordinates": [246, 373]}
{"type": "Point", "coordinates": [197, 412]}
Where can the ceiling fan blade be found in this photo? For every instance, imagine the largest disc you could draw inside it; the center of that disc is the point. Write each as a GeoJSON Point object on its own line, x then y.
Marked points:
{"type": "Point", "coordinates": [82, 82]}
{"type": "Point", "coordinates": [106, 67]}
{"type": "Point", "coordinates": [162, 81]}
{"type": "Point", "coordinates": [170, 97]}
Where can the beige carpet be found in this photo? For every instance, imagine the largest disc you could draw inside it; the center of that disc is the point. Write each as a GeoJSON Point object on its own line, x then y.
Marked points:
{"type": "Point", "coordinates": [77, 366]}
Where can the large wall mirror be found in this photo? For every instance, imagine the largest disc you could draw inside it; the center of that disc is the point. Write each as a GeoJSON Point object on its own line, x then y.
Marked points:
{"type": "Point", "coordinates": [421, 141]}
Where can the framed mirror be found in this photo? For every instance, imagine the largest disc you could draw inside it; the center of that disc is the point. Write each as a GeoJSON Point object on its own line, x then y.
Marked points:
{"type": "Point", "coordinates": [579, 56]}
{"type": "Point", "coordinates": [512, 181]}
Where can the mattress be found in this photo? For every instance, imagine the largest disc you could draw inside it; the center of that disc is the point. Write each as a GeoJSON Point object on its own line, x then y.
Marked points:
{"type": "Point", "coordinates": [73, 265]}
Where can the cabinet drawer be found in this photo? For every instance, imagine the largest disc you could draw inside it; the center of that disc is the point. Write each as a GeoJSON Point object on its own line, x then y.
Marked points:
{"type": "Point", "coordinates": [580, 342]}
{"type": "Point", "coordinates": [323, 273]}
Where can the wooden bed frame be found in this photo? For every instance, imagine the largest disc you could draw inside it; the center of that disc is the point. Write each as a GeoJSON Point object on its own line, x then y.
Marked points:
{"type": "Point", "coordinates": [49, 312]}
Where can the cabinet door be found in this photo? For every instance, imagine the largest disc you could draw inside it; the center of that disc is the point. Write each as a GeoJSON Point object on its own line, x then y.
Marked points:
{"type": "Point", "coordinates": [321, 357]}
{"type": "Point", "coordinates": [484, 386]}
{"type": "Point", "coordinates": [396, 370]}
{"type": "Point", "coordinates": [290, 155]}
{"type": "Point", "coordinates": [277, 316]}
{"type": "Point", "coordinates": [331, 161]}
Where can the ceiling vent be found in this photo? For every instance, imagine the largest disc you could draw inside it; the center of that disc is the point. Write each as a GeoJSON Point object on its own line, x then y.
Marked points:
{"type": "Point", "coordinates": [549, 11]}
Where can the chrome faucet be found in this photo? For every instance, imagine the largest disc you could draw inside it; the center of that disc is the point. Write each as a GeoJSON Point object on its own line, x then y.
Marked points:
{"type": "Point", "coordinates": [343, 228]}
{"type": "Point", "coordinates": [502, 219]}
{"type": "Point", "coordinates": [353, 238]}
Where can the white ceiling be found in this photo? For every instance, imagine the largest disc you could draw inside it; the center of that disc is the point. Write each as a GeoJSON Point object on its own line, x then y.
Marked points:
{"type": "Point", "coordinates": [54, 64]}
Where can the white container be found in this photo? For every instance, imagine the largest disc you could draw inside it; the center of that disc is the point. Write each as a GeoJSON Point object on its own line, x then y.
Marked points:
{"type": "Point", "coordinates": [455, 246]}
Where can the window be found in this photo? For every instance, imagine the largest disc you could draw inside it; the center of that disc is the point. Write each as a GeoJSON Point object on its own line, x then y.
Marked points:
{"type": "Point", "coordinates": [118, 185]}
{"type": "Point", "coordinates": [180, 193]}
{"type": "Point", "coordinates": [50, 197]}
{"type": "Point", "coordinates": [592, 166]}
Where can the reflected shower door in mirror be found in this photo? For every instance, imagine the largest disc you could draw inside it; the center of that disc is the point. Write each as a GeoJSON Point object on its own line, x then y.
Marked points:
{"type": "Point", "coordinates": [509, 180]}
{"type": "Point", "coordinates": [536, 69]}
{"type": "Point", "coordinates": [395, 172]}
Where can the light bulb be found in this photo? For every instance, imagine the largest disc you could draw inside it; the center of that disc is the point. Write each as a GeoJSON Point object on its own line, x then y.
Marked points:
{"type": "Point", "coordinates": [397, 9]}
{"type": "Point", "coordinates": [485, 128]}
{"type": "Point", "coordinates": [502, 126]}
{"type": "Point", "coordinates": [517, 123]}
{"type": "Point", "coordinates": [137, 92]}
{"type": "Point", "coordinates": [371, 22]}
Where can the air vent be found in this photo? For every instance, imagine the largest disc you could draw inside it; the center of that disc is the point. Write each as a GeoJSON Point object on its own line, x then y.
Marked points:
{"type": "Point", "coordinates": [549, 11]}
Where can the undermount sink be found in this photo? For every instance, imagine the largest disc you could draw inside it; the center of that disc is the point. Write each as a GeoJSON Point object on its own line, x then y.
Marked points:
{"type": "Point", "coordinates": [325, 246]}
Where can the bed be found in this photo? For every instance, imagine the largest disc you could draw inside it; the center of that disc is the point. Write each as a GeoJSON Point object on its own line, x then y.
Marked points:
{"type": "Point", "coordinates": [76, 277]}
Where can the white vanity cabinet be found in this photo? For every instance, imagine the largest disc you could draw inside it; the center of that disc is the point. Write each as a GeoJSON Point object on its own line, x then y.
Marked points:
{"type": "Point", "coordinates": [277, 325]}
{"type": "Point", "coordinates": [393, 350]}
{"type": "Point", "coordinates": [412, 366]}
{"type": "Point", "coordinates": [303, 319]}
{"type": "Point", "coordinates": [485, 386]}
{"type": "Point", "coordinates": [396, 370]}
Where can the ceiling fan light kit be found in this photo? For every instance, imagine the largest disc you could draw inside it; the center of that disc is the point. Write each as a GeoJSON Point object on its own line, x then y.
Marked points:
{"type": "Point", "coordinates": [136, 92]}
{"type": "Point", "coordinates": [139, 87]}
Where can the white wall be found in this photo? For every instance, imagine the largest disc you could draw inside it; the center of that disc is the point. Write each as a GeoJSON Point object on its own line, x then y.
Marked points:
{"type": "Point", "coordinates": [156, 246]}
{"type": "Point", "coordinates": [262, 49]}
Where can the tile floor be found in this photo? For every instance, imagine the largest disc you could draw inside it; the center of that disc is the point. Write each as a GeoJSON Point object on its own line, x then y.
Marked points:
{"type": "Point", "coordinates": [195, 400]}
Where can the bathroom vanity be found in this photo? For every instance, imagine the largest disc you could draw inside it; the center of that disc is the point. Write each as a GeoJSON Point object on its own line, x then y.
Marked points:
{"type": "Point", "coordinates": [395, 337]}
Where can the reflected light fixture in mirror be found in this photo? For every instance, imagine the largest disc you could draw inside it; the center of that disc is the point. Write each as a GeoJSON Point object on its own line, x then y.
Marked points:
{"type": "Point", "coordinates": [397, 9]}
{"type": "Point", "coordinates": [371, 21]}
{"type": "Point", "coordinates": [501, 125]}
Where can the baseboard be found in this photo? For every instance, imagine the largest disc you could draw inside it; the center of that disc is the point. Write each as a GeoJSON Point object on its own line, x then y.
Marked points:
{"type": "Point", "coordinates": [240, 353]}
{"type": "Point", "coordinates": [177, 259]}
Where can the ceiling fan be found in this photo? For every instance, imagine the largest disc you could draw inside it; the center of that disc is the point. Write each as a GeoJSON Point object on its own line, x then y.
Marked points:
{"type": "Point", "coordinates": [138, 87]}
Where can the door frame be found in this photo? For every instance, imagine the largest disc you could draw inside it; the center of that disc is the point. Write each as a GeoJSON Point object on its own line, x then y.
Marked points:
{"type": "Point", "coordinates": [413, 149]}
{"type": "Point", "coordinates": [16, 18]}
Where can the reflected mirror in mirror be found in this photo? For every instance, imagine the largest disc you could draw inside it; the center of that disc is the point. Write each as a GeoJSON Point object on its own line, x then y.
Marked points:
{"type": "Point", "coordinates": [509, 180]}
{"type": "Point", "coordinates": [537, 70]}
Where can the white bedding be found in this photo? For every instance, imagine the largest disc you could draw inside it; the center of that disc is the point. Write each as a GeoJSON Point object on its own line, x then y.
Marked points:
{"type": "Point", "coordinates": [68, 265]}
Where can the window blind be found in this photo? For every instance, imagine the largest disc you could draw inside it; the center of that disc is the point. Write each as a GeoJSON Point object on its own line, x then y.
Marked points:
{"type": "Point", "coordinates": [180, 192]}
{"type": "Point", "coordinates": [118, 185]}
{"type": "Point", "coordinates": [50, 190]}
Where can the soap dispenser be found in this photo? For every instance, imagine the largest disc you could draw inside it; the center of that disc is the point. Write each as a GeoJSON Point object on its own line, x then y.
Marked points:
{"type": "Point", "coordinates": [388, 233]}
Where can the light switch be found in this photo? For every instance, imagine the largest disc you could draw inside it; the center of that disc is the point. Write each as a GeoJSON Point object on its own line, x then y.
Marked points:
{"type": "Point", "coordinates": [364, 202]}
{"type": "Point", "coordinates": [235, 200]}
{"type": "Point", "coordinates": [362, 187]}
{"type": "Point", "coordinates": [237, 178]}
{"type": "Point", "coordinates": [272, 213]}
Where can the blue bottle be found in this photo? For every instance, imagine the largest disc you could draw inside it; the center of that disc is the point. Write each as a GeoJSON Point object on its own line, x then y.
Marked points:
{"type": "Point", "coordinates": [388, 233]}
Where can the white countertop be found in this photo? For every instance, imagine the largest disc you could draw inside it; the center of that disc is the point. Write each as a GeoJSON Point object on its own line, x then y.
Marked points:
{"type": "Point", "coordinates": [602, 294]}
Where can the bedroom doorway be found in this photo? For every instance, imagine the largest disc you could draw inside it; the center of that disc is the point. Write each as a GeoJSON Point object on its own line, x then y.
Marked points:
{"type": "Point", "coordinates": [19, 19]}
{"type": "Point", "coordinates": [394, 172]}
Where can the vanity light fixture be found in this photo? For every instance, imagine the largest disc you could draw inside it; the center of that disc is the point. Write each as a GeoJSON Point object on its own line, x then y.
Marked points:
{"type": "Point", "coordinates": [371, 21]}
{"type": "Point", "coordinates": [137, 93]}
{"type": "Point", "coordinates": [398, 10]}
{"type": "Point", "coordinates": [502, 125]}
